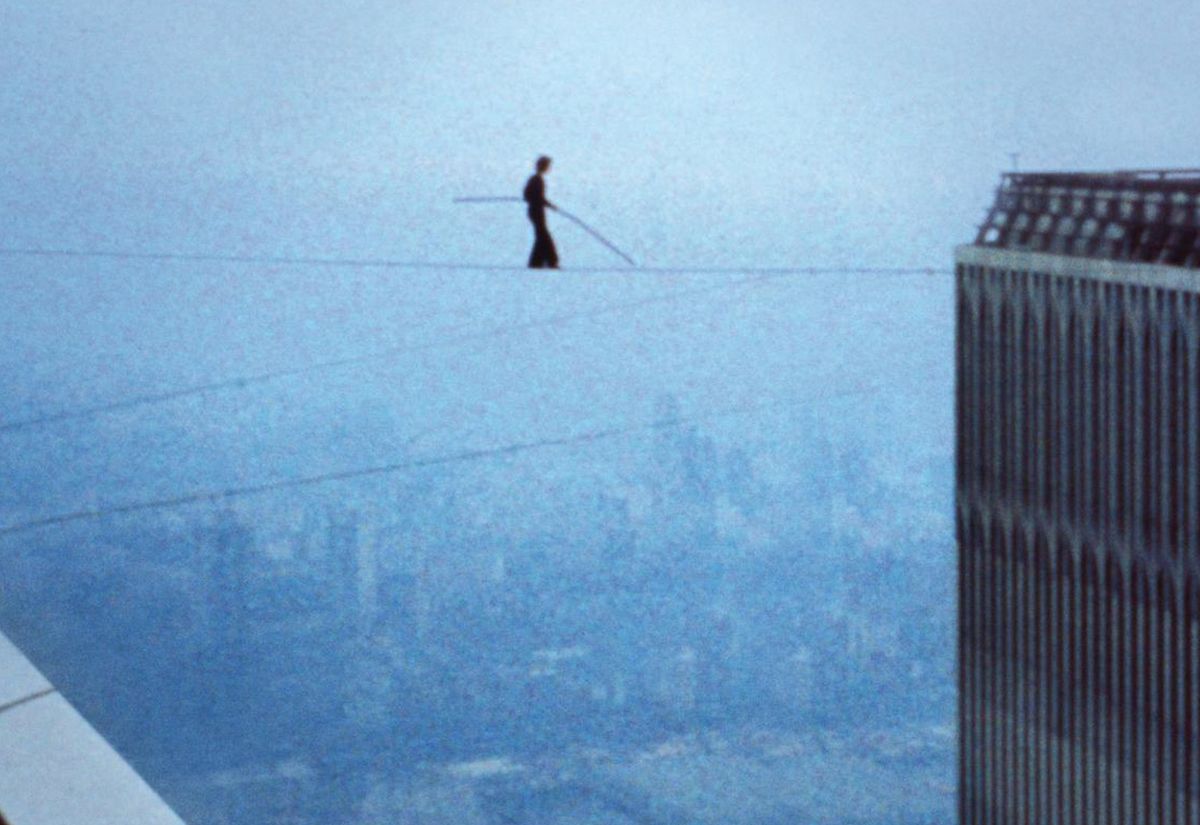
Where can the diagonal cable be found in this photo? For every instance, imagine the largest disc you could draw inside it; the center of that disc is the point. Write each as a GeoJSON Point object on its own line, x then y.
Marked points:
{"type": "Point", "coordinates": [463, 457]}
{"type": "Point", "coordinates": [241, 382]}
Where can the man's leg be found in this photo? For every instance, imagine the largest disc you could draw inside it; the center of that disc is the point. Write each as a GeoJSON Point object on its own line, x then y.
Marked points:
{"type": "Point", "coordinates": [544, 254]}
{"type": "Point", "coordinates": [537, 256]}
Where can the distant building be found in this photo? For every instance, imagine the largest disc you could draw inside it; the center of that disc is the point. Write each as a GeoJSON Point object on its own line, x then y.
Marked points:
{"type": "Point", "coordinates": [227, 550]}
{"type": "Point", "coordinates": [1078, 502]}
{"type": "Point", "coordinates": [790, 679]}
{"type": "Point", "coordinates": [675, 680]}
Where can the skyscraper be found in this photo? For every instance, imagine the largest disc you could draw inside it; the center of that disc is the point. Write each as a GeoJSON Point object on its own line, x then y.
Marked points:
{"type": "Point", "coordinates": [1078, 502]}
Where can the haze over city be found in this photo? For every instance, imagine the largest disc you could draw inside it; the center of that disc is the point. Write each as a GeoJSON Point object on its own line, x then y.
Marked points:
{"type": "Point", "coordinates": [752, 580]}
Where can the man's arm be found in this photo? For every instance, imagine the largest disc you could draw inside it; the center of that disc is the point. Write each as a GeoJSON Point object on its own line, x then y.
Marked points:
{"type": "Point", "coordinates": [539, 192]}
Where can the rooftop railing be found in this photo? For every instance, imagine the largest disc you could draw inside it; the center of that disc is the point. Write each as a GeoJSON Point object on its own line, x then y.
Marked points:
{"type": "Point", "coordinates": [1148, 216]}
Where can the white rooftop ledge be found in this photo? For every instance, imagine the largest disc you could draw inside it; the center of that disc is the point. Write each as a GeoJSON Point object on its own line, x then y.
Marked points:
{"type": "Point", "coordinates": [18, 678]}
{"type": "Point", "coordinates": [1159, 276]}
{"type": "Point", "coordinates": [55, 769]}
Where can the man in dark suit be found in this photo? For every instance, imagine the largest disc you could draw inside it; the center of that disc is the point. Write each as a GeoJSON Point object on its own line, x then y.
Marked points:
{"type": "Point", "coordinates": [544, 255]}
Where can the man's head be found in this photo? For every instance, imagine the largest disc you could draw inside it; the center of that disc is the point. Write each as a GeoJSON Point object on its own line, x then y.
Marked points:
{"type": "Point", "coordinates": [543, 164]}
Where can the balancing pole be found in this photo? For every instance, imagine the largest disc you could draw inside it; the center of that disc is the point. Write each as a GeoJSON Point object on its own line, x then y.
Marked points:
{"type": "Point", "coordinates": [563, 212]}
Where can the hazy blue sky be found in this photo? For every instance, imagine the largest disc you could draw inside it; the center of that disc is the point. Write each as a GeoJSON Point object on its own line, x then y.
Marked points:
{"type": "Point", "coordinates": [692, 132]}
{"type": "Point", "coordinates": [763, 133]}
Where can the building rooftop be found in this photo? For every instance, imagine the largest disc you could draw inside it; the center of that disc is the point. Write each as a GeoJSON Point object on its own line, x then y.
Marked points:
{"type": "Point", "coordinates": [1145, 216]}
{"type": "Point", "coordinates": [55, 769]}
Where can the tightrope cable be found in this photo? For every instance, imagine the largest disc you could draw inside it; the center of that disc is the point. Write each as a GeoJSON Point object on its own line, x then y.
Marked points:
{"type": "Point", "coordinates": [573, 218]}
{"type": "Point", "coordinates": [388, 263]}
{"type": "Point", "coordinates": [267, 260]}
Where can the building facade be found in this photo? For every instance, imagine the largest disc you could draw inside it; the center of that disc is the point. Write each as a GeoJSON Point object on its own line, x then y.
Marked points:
{"type": "Point", "coordinates": [1078, 502]}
